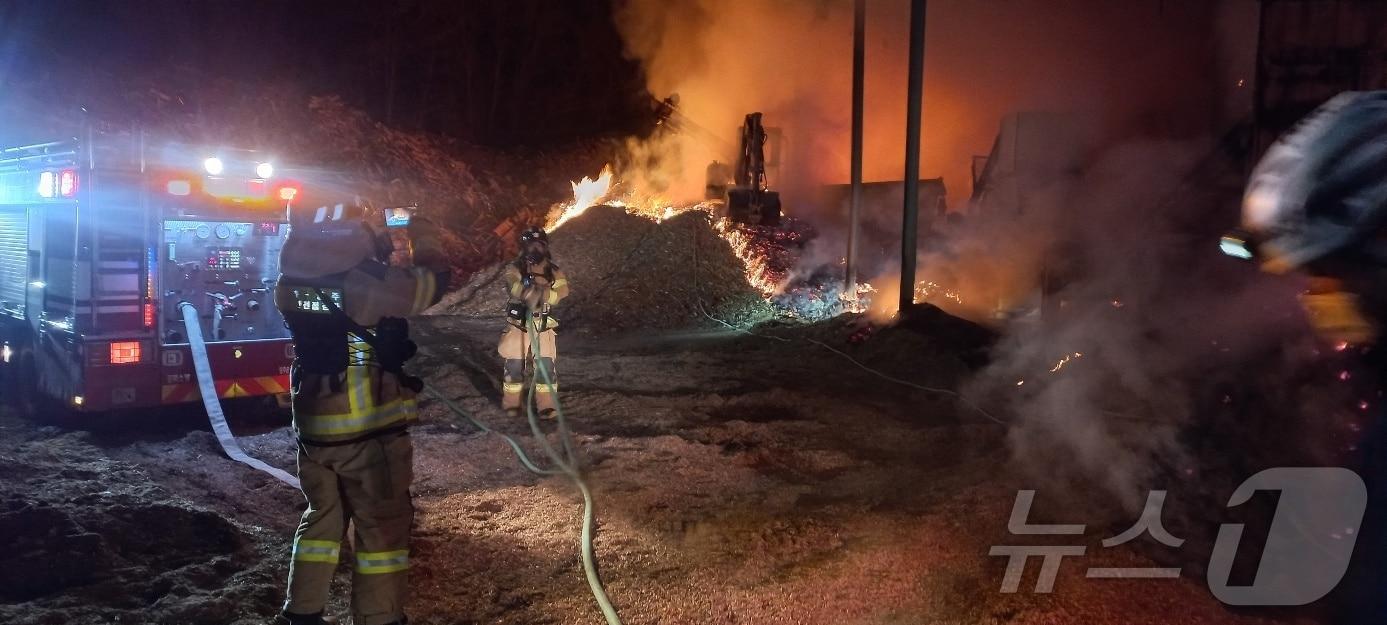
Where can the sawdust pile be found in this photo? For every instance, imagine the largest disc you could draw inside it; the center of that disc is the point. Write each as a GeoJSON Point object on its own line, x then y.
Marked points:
{"type": "Point", "coordinates": [85, 538]}
{"type": "Point", "coordinates": [628, 272]}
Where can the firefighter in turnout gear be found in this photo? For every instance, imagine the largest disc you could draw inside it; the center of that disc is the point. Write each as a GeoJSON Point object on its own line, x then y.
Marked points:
{"type": "Point", "coordinates": [1316, 205]}
{"type": "Point", "coordinates": [352, 403]}
{"type": "Point", "coordinates": [534, 285]}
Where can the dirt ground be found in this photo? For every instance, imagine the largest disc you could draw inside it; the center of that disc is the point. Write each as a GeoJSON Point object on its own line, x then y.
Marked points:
{"type": "Point", "coordinates": [737, 480]}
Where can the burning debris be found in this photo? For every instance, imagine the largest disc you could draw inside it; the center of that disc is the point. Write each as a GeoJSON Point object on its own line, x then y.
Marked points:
{"type": "Point", "coordinates": [627, 271]}
{"type": "Point", "coordinates": [930, 291]}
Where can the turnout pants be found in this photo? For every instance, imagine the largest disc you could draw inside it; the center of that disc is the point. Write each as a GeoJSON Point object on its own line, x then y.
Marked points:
{"type": "Point", "coordinates": [516, 349]}
{"type": "Point", "coordinates": [366, 483]}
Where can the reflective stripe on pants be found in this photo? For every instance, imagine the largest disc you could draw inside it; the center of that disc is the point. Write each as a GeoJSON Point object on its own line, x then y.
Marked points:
{"type": "Point", "coordinates": [516, 349]}
{"type": "Point", "coordinates": [376, 563]}
{"type": "Point", "coordinates": [307, 550]}
{"type": "Point", "coordinates": [366, 483]}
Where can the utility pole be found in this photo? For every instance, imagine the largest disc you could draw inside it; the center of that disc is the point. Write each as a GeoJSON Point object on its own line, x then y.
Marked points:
{"type": "Point", "coordinates": [910, 221]}
{"type": "Point", "coordinates": [859, 27]}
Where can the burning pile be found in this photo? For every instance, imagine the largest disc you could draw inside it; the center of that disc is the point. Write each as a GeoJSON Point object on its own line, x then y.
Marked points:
{"type": "Point", "coordinates": [767, 253]}
{"type": "Point", "coordinates": [628, 271]}
{"type": "Point", "coordinates": [641, 261]}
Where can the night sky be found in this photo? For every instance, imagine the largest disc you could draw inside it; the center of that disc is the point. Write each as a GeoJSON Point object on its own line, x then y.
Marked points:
{"type": "Point", "coordinates": [494, 72]}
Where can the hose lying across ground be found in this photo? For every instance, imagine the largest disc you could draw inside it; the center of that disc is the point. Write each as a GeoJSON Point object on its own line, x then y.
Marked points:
{"type": "Point", "coordinates": [566, 464]}
{"type": "Point", "coordinates": [215, 416]}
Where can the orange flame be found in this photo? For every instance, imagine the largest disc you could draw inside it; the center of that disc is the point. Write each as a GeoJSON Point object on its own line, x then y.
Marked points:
{"type": "Point", "coordinates": [587, 193]}
{"type": "Point", "coordinates": [590, 192]}
{"type": "Point", "coordinates": [927, 290]}
{"type": "Point", "coordinates": [757, 272]}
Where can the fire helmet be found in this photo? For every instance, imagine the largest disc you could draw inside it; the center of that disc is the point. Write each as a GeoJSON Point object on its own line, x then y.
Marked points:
{"type": "Point", "coordinates": [326, 240]}
{"type": "Point", "coordinates": [1320, 192]}
{"type": "Point", "coordinates": [534, 233]}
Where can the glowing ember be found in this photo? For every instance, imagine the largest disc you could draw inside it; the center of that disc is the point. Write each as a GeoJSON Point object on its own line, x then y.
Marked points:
{"type": "Point", "coordinates": [859, 300]}
{"type": "Point", "coordinates": [758, 273]}
{"type": "Point", "coordinates": [928, 290]}
{"type": "Point", "coordinates": [1064, 361]}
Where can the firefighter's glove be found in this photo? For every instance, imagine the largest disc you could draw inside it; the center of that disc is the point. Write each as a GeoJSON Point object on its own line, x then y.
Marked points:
{"type": "Point", "coordinates": [1338, 316]}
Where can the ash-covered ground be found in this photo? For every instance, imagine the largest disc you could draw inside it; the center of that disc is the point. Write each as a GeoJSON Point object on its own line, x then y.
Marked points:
{"type": "Point", "coordinates": [738, 478]}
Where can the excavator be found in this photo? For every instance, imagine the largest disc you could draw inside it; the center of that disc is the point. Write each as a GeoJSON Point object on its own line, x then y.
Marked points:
{"type": "Point", "coordinates": [741, 188]}
{"type": "Point", "coordinates": [750, 201]}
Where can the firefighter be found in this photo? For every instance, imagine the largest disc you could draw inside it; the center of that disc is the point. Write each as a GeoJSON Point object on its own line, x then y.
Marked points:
{"type": "Point", "coordinates": [1317, 204]}
{"type": "Point", "coordinates": [534, 284]}
{"type": "Point", "coordinates": [352, 404]}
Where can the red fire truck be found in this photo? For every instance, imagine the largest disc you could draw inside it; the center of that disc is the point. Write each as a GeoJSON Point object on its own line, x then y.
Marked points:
{"type": "Point", "coordinates": [101, 240]}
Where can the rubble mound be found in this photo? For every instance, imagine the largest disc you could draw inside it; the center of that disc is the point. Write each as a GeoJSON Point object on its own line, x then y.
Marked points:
{"type": "Point", "coordinates": [627, 272]}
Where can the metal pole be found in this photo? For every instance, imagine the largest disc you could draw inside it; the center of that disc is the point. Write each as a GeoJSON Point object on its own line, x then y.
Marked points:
{"type": "Point", "coordinates": [859, 27]}
{"type": "Point", "coordinates": [909, 223]}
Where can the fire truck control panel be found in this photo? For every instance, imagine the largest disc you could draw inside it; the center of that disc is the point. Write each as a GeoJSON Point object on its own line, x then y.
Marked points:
{"type": "Point", "coordinates": [227, 270]}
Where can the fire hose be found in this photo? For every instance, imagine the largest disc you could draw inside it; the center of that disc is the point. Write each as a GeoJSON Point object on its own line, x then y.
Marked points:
{"type": "Point", "coordinates": [214, 406]}
{"type": "Point", "coordinates": [566, 463]}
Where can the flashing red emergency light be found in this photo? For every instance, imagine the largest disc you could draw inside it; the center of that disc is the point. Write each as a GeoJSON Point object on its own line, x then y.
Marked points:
{"type": "Point", "coordinates": [125, 352]}
{"type": "Point", "coordinates": [58, 184]}
{"type": "Point", "coordinates": [179, 187]}
{"type": "Point", "coordinates": [288, 193]}
{"type": "Point", "coordinates": [67, 183]}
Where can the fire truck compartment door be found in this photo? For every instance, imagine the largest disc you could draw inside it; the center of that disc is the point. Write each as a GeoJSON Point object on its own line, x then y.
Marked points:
{"type": "Point", "coordinates": [14, 260]}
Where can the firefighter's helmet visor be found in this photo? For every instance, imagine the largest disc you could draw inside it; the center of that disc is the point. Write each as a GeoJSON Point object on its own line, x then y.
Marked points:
{"type": "Point", "coordinates": [1239, 244]}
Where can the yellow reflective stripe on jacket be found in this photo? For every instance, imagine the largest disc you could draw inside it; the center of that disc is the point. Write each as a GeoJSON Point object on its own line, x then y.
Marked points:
{"type": "Point", "coordinates": [357, 422]}
{"type": "Point", "coordinates": [425, 287]}
{"type": "Point", "coordinates": [359, 380]}
{"type": "Point", "coordinates": [317, 550]}
{"type": "Point", "coordinates": [378, 562]}
{"type": "Point", "coordinates": [546, 388]}
{"type": "Point", "coordinates": [553, 296]}
{"type": "Point", "coordinates": [512, 387]}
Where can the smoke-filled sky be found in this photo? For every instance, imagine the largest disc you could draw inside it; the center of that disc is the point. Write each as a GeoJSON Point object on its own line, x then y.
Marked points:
{"type": "Point", "coordinates": [1165, 68]}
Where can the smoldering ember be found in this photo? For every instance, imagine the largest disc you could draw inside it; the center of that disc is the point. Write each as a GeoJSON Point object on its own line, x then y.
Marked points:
{"type": "Point", "coordinates": [693, 311]}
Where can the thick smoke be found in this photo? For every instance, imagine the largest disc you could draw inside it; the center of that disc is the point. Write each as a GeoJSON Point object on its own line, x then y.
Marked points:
{"type": "Point", "coordinates": [1141, 64]}
{"type": "Point", "coordinates": [1133, 317]}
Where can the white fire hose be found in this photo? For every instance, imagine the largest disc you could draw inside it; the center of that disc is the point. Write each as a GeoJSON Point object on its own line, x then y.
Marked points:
{"type": "Point", "coordinates": [566, 463]}
{"type": "Point", "coordinates": [214, 405]}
